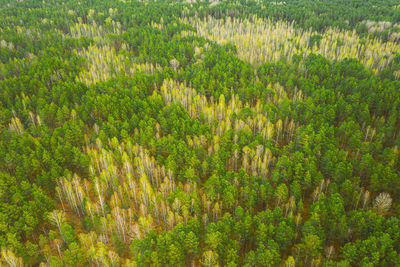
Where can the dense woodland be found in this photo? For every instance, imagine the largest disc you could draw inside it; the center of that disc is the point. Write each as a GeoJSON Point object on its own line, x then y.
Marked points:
{"type": "Point", "coordinates": [197, 133]}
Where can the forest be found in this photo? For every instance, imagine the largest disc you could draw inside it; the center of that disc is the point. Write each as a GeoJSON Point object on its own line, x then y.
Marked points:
{"type": "Point", "coordinates": [200, 133]}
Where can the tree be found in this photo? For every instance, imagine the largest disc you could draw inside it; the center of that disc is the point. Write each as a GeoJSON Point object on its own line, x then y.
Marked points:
{"type": "Point", "coordinates": [290, 262]}
{"type": "Point", "coordinates": [55, 262]}
{"type": "Point", "coordinates": [210, 258]}
{"type": "Point", "coordinates": [310, 247]}
{"type": "Point", "coordinates": [284, 235]}
{"type": "Point", "coordinates": [191, 243]}
{"type": "Point", "coordinates": [267, 256]}
{"type": "Point", "coordinates": [382, 203]}
{"type": "Point", "coordinates": [73, 255]}
{"type": "Point", "coordinates": [68, 233]}
{"type": "Point", "coordinates": [281, 194]}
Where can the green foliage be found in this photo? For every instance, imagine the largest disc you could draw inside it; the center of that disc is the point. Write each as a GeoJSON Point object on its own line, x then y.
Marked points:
{"type": "Point", "coordinates": [126, 139]}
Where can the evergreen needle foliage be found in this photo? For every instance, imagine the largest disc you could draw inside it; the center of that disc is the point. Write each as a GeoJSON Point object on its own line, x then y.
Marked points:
{"type": "Point", "coordinates": [199, 133]}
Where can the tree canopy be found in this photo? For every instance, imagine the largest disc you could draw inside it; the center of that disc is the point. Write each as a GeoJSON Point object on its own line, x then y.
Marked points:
{"type": "Point", "coordinates": [199, 133]}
